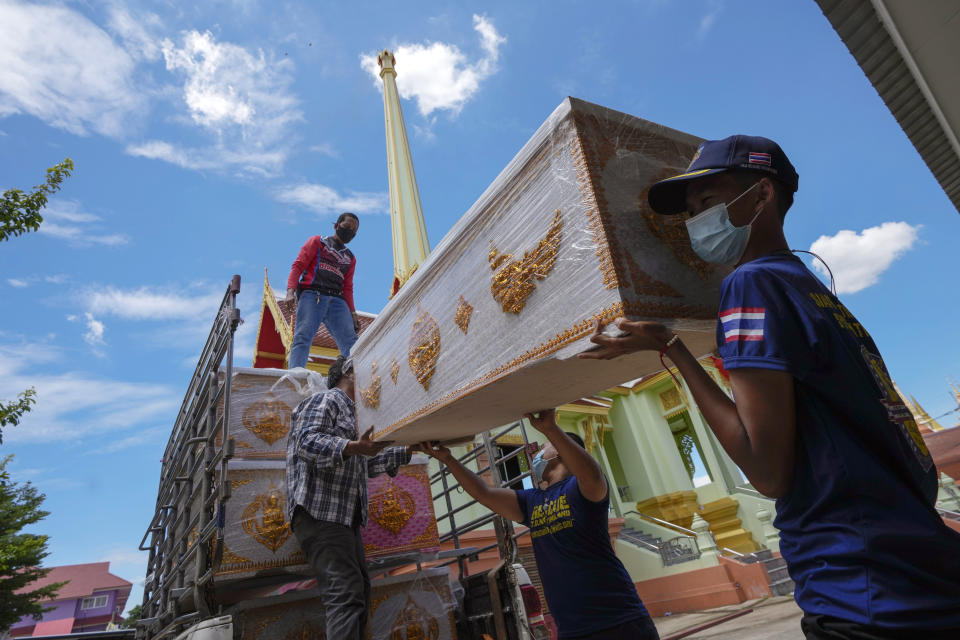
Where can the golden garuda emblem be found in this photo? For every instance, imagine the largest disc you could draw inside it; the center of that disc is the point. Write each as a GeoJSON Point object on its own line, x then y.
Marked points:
{"type": "Point", "coordinates": [269, 420]}
{"type": "Point", "coordinates": [263, 520]}
{"type": "Point", "coordinates": [513, 281]}
{"type": "Point", "coordinates": [392, 508]}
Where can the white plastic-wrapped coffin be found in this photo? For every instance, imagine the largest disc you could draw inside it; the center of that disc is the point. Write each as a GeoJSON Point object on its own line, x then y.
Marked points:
{"type": "Point", "coordinates": [489, 326]}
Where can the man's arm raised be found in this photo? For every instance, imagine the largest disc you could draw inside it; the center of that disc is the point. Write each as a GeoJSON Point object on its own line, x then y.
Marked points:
{"type": "Point", "coordinates": [501, 501]}
{"type": "Point", "coordinates": [758, 431]}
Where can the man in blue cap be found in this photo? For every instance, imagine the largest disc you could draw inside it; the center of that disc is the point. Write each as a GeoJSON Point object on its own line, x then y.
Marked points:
{"type": "Point", "coordinates": [816, 422]}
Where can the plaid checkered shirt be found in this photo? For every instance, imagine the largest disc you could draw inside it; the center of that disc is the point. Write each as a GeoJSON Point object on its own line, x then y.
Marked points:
{"type": "Point", "coordinates": [329, 486]}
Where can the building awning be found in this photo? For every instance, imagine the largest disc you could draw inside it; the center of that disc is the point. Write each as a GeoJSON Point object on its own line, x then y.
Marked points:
{"type": "Point", "coordinates": [909, 52]}
{"type": "Point", "coordinates": [53, 627]}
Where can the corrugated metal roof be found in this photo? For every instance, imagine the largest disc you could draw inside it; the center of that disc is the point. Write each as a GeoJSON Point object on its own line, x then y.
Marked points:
{"type": "Point", "coordinates": [875, 50]}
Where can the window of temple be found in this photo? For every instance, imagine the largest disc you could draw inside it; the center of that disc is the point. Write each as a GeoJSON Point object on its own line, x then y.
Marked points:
{"type": "Point", "coordinates": [690, 450]}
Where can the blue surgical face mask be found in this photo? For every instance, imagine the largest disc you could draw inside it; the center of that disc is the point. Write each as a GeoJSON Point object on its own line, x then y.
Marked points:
{"type": "Point", "coordinates": [539, 465]}
{"type": "Point", "coordinates": [715, 239]}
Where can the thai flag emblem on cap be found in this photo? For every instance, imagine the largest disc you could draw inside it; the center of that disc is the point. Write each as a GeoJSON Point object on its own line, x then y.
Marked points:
{"type": "Point", "coordinates": [760, 158]}
{"type": "Point", "coordinates": [743, 324]}
{"type": "Point", "coordinates": [695, 156]}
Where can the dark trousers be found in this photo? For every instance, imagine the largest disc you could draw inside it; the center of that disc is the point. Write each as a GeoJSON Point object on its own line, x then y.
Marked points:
{"type": "Point", "coordinates": [335, 552]}
{"type": "Point", "coordinates": [639, 629]}
{"type": "Point", "coordinates": [829, 628]}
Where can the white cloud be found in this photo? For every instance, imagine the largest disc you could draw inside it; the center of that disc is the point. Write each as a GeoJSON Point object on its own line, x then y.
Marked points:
{"type": "Point", "coordinates": [58, 278]}
{"type": "Point", "coordinates": [214, 158]}
{"type": "Point", "coordinates": [150, 303]}
{"type": "Point", "coordinates": [708, 19]}
{"type": "Point", "coordinates": [136, 31]}
{"type": "Point", "coordinates": [94, 333]}
{"type": "Point", "coordinates": [858, 259]}
{"type": "Point", "coordinates": [242, 100]}
{"type": "Point", "coordinates": [14, 282]}
{"type": "Point", "coordinates": [61, 68]}
{"type": "Point", "coordinates": [325, 149]}
{"type": "Point", "coordinates": [438, 75]}
{"type": "Point", "coordinates": [325, 200]}
{"type": "Point", "coordinates": [75, 404]}
{"type": "Point", "coordinates": [65, 220]}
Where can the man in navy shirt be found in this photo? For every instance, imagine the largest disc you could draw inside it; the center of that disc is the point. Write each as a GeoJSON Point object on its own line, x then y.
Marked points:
{"type": "Point", "coordinates": [589, 591]}
{"type": "Point", "coordinates": [816, 422]}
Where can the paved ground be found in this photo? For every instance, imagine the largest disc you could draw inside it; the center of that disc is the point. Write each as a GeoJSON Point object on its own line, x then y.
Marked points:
{"type": "Point", "coordinates": [776, 618]}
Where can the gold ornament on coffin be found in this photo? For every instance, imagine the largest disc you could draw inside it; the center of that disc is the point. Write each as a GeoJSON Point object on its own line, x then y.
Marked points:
{"type": "Point", "coordinates": [392, 508]}
{"type": "Point", "coordinates": [424, 347]}
{"type": "Point", "coordinates": [514, 280]}
{"type": "Point", "coordinates": [464, 311]}
{"type": "Point", "coordinates": [394, 370]}
{"type": "Point", "coordinates": [270, 528]}
{"type": "Point", "coordinates": [371, 393]}
{"type": "Point", "coordinates": [269, 420]}
{"type": "Point", "coordinates": [414, 623]}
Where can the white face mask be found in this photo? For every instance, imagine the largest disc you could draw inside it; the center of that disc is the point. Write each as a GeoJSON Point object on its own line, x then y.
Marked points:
{"type": "Point", "coordinates": [715, 239]}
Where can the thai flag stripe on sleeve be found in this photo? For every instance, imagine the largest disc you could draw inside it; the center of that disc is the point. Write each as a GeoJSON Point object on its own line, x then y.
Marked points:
{"type": "Point", "coordinates": [743, 323]}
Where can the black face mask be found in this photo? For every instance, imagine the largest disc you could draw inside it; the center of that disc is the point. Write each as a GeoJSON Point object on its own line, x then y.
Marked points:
{"type": "Point", "coordinates": [345, 235]}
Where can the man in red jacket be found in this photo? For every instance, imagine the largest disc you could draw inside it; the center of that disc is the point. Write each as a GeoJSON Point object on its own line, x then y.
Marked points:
{"type": "Point", "coordinates": [322, 280]}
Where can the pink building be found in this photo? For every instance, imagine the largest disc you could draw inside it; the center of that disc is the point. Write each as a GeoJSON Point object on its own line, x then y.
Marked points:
{"type": "Point", "coordinates": [92, 598]}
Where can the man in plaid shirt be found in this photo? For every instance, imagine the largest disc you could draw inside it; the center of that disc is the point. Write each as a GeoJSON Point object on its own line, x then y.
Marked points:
{"type": "Point", "coordinates": [327, 470]}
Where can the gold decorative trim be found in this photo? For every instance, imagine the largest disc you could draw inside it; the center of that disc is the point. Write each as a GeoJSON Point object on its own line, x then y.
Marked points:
{"type": "Point", "coordinates": [392, 508]}
{"type": "Point", "coordinates": [579, 330]}
{"type": "Point", "coordinates": [268, 420]}
{"type": "Point", "coordinates": [236, 483]}
{"type": "Point", "coordinates": [462, 317]}
{"type": "Point", "coordinates": [270, 300]}
{"type": "Point", "coordinates": [424, 349]}
{"type": "Point", "coordinates": [394, 370]}
{"type": "Point", "coordinates": [271, 528]}
{"type": "Point", "coordinates": [243, 565]}
{"type": "Point", "coordinates": [371, 393]}
{"type": "Point", "coordinates": [587, 190]}
{"type": "Point", "coordinates": [513, 280]}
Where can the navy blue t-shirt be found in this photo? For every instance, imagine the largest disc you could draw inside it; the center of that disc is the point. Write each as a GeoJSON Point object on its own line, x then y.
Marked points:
{"type": "Point", "coordinates": [858, 528]}
{"type": "Point", "coordinates": [586, 585]}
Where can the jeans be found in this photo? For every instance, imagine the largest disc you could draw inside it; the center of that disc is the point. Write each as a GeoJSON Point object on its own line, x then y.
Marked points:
{"type": "Point", "coordinates": [336, 554]}
{"type": "Point", "coordinates": [312, 309]}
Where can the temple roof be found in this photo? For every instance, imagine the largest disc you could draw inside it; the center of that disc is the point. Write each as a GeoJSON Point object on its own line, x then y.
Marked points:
{"type": "Point", "coordinates": [275, 333]}
{"type": "Point", "coordinates": [322, 337]}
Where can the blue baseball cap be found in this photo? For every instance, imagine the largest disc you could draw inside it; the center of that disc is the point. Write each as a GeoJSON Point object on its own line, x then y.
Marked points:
{"type": "Point", "coordinates": [738, 153]}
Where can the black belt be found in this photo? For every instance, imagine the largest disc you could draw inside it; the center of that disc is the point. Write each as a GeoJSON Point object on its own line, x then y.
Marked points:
{"type": "Point", "coordinates": [336, 293]}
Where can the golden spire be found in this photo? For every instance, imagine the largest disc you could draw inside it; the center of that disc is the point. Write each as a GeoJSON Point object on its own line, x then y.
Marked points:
{"type": "Point", "coordinates": [410, 244]}
{"type": "Point", "coordinates": [956, 391]}
{"type": "Point", "coordinates": [922, 417]}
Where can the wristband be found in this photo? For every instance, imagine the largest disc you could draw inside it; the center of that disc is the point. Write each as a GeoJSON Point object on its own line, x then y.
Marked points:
{"type": "Point", "coordinates": [672, 341]}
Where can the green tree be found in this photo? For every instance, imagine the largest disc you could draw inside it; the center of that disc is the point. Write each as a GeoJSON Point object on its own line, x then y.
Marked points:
{"type": "Point", "coordinates": [21, 553]}
{"type": "Point", "coordinates": [132, 616]}
{"type": "Point", "coordinates": [20, 212]}
{"type": "Point", "coordinates": [12, 413]}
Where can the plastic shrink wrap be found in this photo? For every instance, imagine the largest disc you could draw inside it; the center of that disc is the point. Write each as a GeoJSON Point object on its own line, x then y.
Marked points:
{"type": "Point", "coordinates": [489, 326]}
{"type": "Point", "coordinates": [417, 606]}
{"type": "Point", "coordinates": [258, 540]}
{"type": "Point", "coordinates": [261, 402]}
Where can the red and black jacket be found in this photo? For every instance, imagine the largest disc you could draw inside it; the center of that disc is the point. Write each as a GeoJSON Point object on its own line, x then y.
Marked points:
{"type": "Point", "coordinates": [325, 268]}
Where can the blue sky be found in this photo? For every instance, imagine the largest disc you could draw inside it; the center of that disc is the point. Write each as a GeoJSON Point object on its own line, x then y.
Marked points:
{"type": "Point", "coordinates": [214, 139]}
